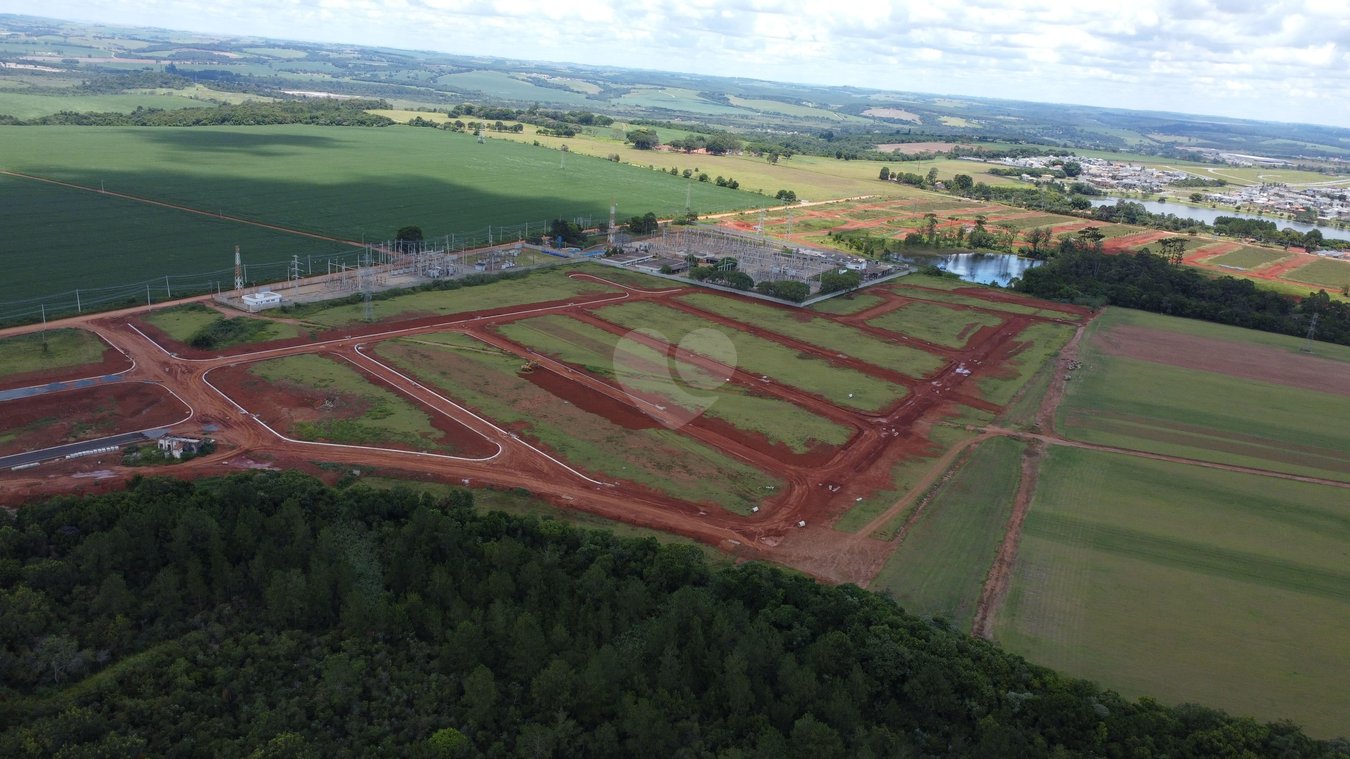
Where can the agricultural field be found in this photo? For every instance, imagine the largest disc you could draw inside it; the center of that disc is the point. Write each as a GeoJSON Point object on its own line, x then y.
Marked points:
{"type": "Point", "coordinates": [586, 433]}
{"type": "Point", "coordinates": [839, 384]}
{"type": "Point", "coordinates": [58, 352]}
{"type": "Point", "coordinates": [1243, 577]}
{"type": "Point", "coordinates": [27, 106]}
{"type": "Point", "coordinates": [640, 368]}
{"type": "Point", "coordinates": [1207, 392]}
{"type": "Point", "coordinates": [935, 323]}
{"type": "Point", "coordinates": [826, 334]}
{"type": "Point", "coordinates": [940, 566]}
{"type": "Point", "coordinates": [1325, 272]}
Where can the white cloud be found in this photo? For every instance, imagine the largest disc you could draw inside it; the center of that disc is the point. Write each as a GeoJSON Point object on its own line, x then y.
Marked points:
{"type": "Point", "coordinates": [1190, 55]}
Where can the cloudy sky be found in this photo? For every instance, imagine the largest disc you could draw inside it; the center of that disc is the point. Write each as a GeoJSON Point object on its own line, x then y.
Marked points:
{"type": "Point", "coordinates": [1280, 60]}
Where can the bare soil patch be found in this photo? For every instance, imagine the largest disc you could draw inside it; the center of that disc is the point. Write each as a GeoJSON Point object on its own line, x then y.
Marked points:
{"type": "Point", "coordinates": [893, 113]}
{"type": "Point", "coordinates": [113, 361]}
{"type": "Point", "coordinates": [910, 148]}
{"type": "Point", "coordinates": [1223, 357]}
{"type": "Point", "coordinates": [70, 416]}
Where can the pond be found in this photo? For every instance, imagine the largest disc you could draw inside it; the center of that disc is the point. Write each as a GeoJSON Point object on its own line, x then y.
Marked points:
{"type": "Point", "coordinates": [981, 268]}
{"type": "Point", "coordinates": [1208, 215]}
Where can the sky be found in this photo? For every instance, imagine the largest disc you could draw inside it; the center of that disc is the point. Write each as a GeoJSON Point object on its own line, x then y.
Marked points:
{"type": "Point", "coordinates": [1276, 60]}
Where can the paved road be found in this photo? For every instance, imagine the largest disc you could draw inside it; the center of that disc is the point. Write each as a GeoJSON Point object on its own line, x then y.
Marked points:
{"type": "Point", "coordinates": [61, 451]}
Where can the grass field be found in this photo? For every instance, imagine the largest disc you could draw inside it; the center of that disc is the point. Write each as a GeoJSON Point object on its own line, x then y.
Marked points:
{"type": "Point", "coordinates": [1247, 258]}
{"type": "Point", "coordinates": [182, 323]}
{"type": "Point", "coordinates": [910, 288]}
{"type": "Point", "coordinates": [935, 323]}
{"type": "Point", "coordinates": [25, 106]}
{"type": "Point", "coordinates": [821, 332]}
{"type": "Point", "coordinates": [1203, 415]}
{"type": "Point", "coordinates": [1112, 317]}
{"type": "Point", "coordinates": [386, 418]}
{"type": "Point", "coordinates": [536, 287]}
{"type": "Point", "coordinates": [940, 567]}
{"type": "Point", "coordinates": [64, 349]}
{"type": "Point", "coordinates": [847, 304]}
{"type": "Point", "coordinates": [1187, 584]}
{"type": "Point", "coordinates": [1326, 272]}
{"type": "Point", "coordinates": [841, 385]}
{"type": "Point", "coordinates": [1040, 343]}
{"type": "Point", "coordinates": [659, 458]}
{"type": "Point", "coordinates": [642, 369]}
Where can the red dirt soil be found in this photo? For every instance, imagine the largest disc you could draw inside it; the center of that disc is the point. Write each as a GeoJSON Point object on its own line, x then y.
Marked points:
{"type": "Point", "coordinates": [112, 361]}
{"type": "Point", "coordinates": [1245, 360]}
{"type": "Point", "coordinates": [70, 416]}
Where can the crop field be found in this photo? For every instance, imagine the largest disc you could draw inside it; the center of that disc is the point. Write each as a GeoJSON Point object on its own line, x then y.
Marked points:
{"type": "Point", "coordinates": [54, 350]}
{"type": "Point", "coordinates": [940, 566]}
{"type": "Point", "coordinates": [839, 384]}
{"type": "Point", "coordinates": [1326, 272]}
{"type": "Point", "coordinates": [344, 183]}
{"type": "Point", "coordinates": [640, 368]}
{"type": "Point", "coordinates": [1244, 577]}
{"type": "Point", "coordinates": [536, 287]}
{"type": "Point", "coordinates": [1259, 404]}
{"type": "Point", "coordinates": [322, 399]}
{"type": "Point", "coordinates": [652, 456]}
{"type": "Point", "coordinates": [935, 323]}
{"type": "Point", "coordinates": [25, 106]}
{"type": "Point", "coordinates": [823, 333]}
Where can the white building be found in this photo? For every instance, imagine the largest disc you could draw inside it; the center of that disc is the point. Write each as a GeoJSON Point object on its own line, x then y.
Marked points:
{"type": "Point", "coordinates": [261, 300]}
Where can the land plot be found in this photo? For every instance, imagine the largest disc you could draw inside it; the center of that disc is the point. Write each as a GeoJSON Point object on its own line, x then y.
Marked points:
{"type": "Point", "coordinates": [204, 327]}
{"type": "Point", "coordinates": [629, 277]}
{"type": "Point", "coordinates": [841, 385]}
{"type": "Point", "coordinates": [591, 431]}
{"type": "Point", "coordinates": [1240, 339]}
{"type": "Point", "coordinates": [910, 290]}
{"type": "Point", "coordinates": [935, 323]}
{"type": "Point", "coordinates": [1187, 584]}
{"type": "Point", "coordinates": [1037, 344]}
{"type": "Point", "coordinates": [640, 369]}
{"type": "Point", "coordinates": [1247, 258]}
{"type": "Point", "coordinates": [939, 569]}
{"type": "Point", "coordinates": [1251, 406]}
{"type": "Point", "coordinates": [57, 354]}
{"type": "Point", "coordinates": [70, 416]}
{"type": "Point", "coordinates": [321, 399]}
{"type": "Point", "coordinates": [537, 287]}
{"type": "Point", "coordinates": [822, 332]}
{"type": "Point", "coordinates": [848, 304]}
{"type": "Point", "coordinates": [1326, 272]}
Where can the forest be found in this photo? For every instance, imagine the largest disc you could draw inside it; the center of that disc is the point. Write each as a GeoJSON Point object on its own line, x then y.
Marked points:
{"type": "Point", "coordinates": [266, 614]}
{"type": "Point", "coordinates": [316, 111]}
{"type": "Point", "coordinates": [1079, 274]}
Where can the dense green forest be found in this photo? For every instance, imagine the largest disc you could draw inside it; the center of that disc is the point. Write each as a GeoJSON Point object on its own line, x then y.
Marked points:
{"type": "Point", "coordinates": [265, 614]}
{"type": "Point", "coordinates": [1148, 282]}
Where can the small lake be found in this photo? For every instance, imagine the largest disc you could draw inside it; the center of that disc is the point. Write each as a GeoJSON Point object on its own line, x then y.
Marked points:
{"type": "Point", "coordinates": [1208, 215]}
{"type": "Point", "coordinates": [981, 268]}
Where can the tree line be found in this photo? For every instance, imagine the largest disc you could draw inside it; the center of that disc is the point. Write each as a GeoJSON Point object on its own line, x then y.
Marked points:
{"type": "Point", "coordinates": [314, 111]}
{"type": "Point", "coordinates": [265, 614]}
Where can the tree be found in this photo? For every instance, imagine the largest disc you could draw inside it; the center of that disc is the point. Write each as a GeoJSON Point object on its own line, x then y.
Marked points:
{"type": "Point", "coordinates": [643, 225]}
{"type": "Point", "coordinates": [932, 176]}
{"type": "Point", "coordinates": [787, 196]}
{"type": "Point", "coordinates": [1072, 168]}
{"type": "Point", "coordinates": [406, 238]}
{"type": "Point", "coordinates": [1196, 197]}
{"type": "Point", "coordinates": [835, 281]}
{"type": "Point", "coordinates": [963, 182]}
{"type": "Point", "coordinates": [1036, 238]}
{"type": "Point", "coordinates": [1174, 249]}
{"type": "Point", "coordinates": [930, 227]}
{"type": "Point", "coordinates": [885, 175]}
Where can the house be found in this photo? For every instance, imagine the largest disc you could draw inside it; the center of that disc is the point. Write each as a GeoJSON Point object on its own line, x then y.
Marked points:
{"type": "Point", "coordinates": [261, 299]}
{"type": "Point", "coordinates": [177, 446]}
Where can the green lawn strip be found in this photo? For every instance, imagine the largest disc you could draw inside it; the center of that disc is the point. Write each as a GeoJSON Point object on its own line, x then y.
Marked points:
{"type": "Point", "coordinates": [192, 321]}
{"type": "Point", "coordinates": [1042, 342]}
{"type": "Point", "coordinates": [939, 570]}
{"type": "Point", "coordinates": [935, 323]}
{"type": "Point", "coordinates": [1187, 584]}
{"type": "Point", "coordinates": [1326, 272]}
{"type": "Point", "coordinates": [847, 304]}
{"type": "Point", "coordinates": [841, 385]}
{"type": "Point", "coordinates": [641, 368]}
{"type": "Point", "coordinates": [656, 457]}
{"type": "Point", "coordinates": [537, 287]}
{"type": "Point", "coordinates": [64, 348]}
{"type": "Point", "coordinates": [1239, 337]}
{"type": "Point", "coordinates": [949, 282]}
{"type": "Point", "coordinates": [1247, 258]}
{"type": "Point", "coordinates": [389, 420]}
{"type": "Point", "coordinates": [821, 332]}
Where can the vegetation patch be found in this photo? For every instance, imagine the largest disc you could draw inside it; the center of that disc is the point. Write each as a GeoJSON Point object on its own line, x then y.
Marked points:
{"type": "Point", "coordinates": [935, 324]}
{"type": "Point", "coordinates": [1244, 577]}
{"type": "Point", "coordinates": [842, 305]}
{"type": "Point", "coordinates": [1247, 258]}
{"type": "Point", "coordinates": [1039, 343]}
{"type": "Point", "coordinates": [49, 350]}
{"type": "Point", "coordinates": [1326, 272]}
{"type": "Point", "coordinates": [205, 328]}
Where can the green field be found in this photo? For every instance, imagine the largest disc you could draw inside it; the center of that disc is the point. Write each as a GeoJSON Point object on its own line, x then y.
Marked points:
{"type": "Point", "coordinates": [536, 287]}
{"type": "Point", "coordinates": [939, 569]}
{"type": "Point", "coordinates": [661, 459]}
{"type": "Point", "coordinates": [843, 305]}
{"type": "Point", "coordinates": [25, 106]}
{"type": "Point", "coordinates": [386, 418]}
{"type": "Point", "coordinates": [1326, 272]}
{"type": "Point", "coordinates": [640, 368]}
{"type": "Point", "coordinates": [1040, 343]}
{"type": "Point", "coordinates": [183, 323]}
{"type": "Point", "coordinates": [916, 287]}
{"type": "Point", "coordinates": [1187, 584]}
{"type": "Point", "coordinates": [822, 332]}
{"type": "Point", "coordinates": [1203, 415]}
{"type": "Point", "coordinates": [345, 182]}
{"type": "Point", "coordinates": [841, 385]}
{"type": "Point", "coordinates": [934, 323]}
{"type": "Point", "coordinates": [1115, 316]}
{"type": "Point", "coordinates": [1247, 258]}
{"type": "Point", "coordinates": [49, 350]}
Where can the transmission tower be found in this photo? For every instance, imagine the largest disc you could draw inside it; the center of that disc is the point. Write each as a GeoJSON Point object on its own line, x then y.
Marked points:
{"type": "Point", "coordinates": [609, 243]}
{"type": "Point", "coordinates": [480, 136]}
{"type": "Point", "coordinates": [1312, 332]}
{"type": "Point", "coordinates": [365, 278]}
{"type": "Point", "coordinates": [294, 274]}
{"type": "Point", "coordinates": [238, 270]}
